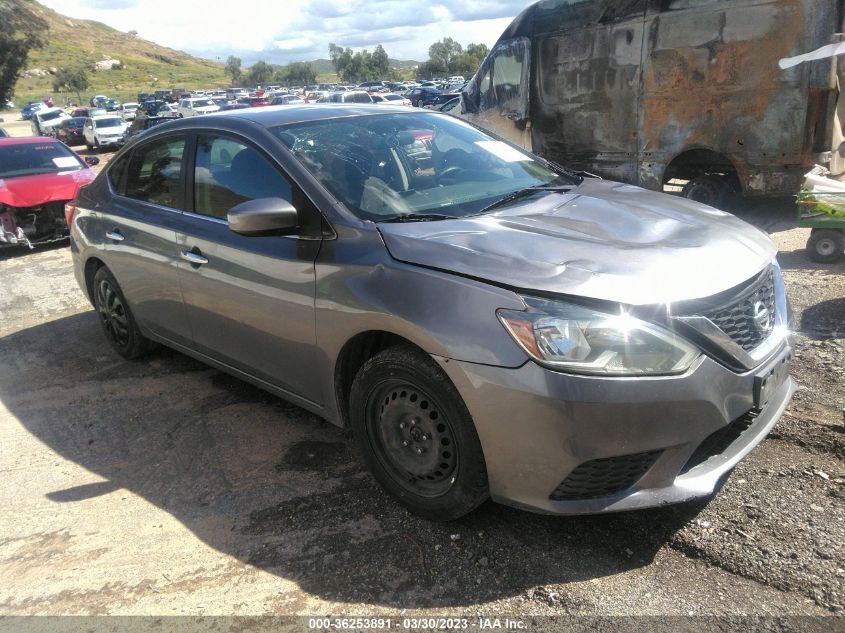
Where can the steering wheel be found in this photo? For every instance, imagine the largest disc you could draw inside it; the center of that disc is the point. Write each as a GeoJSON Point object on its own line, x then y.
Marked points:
{"type": "Point", "coordinates": [450, 173]}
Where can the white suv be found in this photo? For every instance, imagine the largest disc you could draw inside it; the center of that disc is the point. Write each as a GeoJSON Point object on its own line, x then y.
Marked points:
{"type": "Point", "coordinates": [104, 130]}
{"type": "Point", "coordinates": [196, 106]}
{"type": "Point", "coordinates": [44, 121]}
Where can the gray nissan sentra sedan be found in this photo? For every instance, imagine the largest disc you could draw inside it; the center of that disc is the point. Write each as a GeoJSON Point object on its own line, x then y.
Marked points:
{"type": "Point", "coordinates": [487, 324]}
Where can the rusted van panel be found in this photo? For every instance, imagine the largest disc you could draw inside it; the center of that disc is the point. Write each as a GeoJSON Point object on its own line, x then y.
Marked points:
{"type": "Point", "coordinates": [652, 90]}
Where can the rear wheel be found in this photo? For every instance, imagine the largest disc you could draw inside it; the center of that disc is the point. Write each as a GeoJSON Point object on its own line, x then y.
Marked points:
{"type": "Point", "coordinates": [707, 189]}
{"type": "Point", "coordinates": [416, 434]}
{"type": "Point", "coordinates": [826, 245]}
{"type": "Point", "coordinates": [116, 318]}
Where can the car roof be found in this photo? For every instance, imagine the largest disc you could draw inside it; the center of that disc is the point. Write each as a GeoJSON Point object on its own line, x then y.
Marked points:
{"type": "Point", "coordinates": [26, 140]}
{"type": "Point", "coordinates": [282, 115]}
{"type": "Point", "coordinates": [271, 116]}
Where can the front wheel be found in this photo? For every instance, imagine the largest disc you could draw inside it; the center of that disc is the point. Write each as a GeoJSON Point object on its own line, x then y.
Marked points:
{"type": "Point", "coordinates": [417, 436]}
{"type": "Point", "coordinates": [826, 245]}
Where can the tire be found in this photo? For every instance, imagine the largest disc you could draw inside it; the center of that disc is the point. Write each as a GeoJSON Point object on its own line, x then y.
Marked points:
{"type": "Point", "coordinates": [116, 318]}
{"type": "Point", "coordinates": [826, 245]}
{"type": "Point", "coordinates": [707, 189]}
{"type": "Point", "coordinates": [88, 146]}
{"type": "Point", "coordinates": [416, 435]}
{"type": "Point", "coordinates": [420, 103]}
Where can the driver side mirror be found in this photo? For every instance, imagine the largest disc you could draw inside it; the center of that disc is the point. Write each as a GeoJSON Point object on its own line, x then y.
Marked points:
{"type": "Point", "coordinates": [263, 216]}
{"type": "Point", "coordinates": [91, 161]}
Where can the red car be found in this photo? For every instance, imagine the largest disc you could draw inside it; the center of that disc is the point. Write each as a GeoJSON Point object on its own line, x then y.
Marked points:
{"type": "Point", "coordinates": [259, 102]}
{"type": "Point", "coordinates": [38, 175]}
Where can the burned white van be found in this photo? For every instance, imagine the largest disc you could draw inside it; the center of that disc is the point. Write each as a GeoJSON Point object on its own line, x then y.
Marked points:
{"type": "Point", "coordinates": [670, 92]}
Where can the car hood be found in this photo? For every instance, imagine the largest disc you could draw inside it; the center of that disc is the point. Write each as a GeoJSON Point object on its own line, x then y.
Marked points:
{"type": "Point", "coordinates": [602, 240]}
{"type": "Point", "coordinates": [31, 191]}
{"type": "Point", "coordinates": [52, 122]}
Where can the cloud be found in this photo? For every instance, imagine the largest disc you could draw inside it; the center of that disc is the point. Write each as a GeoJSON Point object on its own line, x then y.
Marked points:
{"type": "Point", "coordinates": [110, 5]}
{"type": "Point", "coordinates": [293, 30]}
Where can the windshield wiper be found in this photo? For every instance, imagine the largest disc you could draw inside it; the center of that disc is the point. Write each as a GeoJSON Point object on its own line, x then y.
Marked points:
{"type": "Point", "coordinates": [420, 217]}
{"type": "Point", "coordinates": [523, 193]}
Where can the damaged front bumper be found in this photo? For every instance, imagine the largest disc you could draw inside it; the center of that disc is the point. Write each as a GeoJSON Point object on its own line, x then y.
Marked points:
{"type": "Point", "coordinates": [30, 226]}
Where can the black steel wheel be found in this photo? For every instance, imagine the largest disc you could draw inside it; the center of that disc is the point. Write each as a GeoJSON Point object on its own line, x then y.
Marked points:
{"type": "Point", "coordinates": [416, 434]}
{"type": "Point", "coordinates": [825, 245]}
{"type": "Point", "coordinates": [116, 318]}
{"type": "Point", "coordinates": [412, 438]}
{"type": "Point", "coordinates": [707, 189]}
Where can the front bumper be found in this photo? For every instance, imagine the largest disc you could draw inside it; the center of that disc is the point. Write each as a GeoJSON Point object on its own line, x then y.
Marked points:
{"type": "Point", "coordinates": [537, 427]}
{"type": "Point", "coordinates": [105, 142]}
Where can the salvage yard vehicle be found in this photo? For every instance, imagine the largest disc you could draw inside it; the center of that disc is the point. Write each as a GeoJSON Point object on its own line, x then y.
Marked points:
{"type": "Point", "coordinates": [486, 322]}
{"type": "Point", "coordinates": [661, 92]}
{"type": "Point", "coordinates": [69, 131]}
{"type": "Point", "coordinates": [37, 177]}
{"type": "Point", "coordinates": [44, 121]}
{"type": "Point", "coordinates": [196, 107]}
{"type": "Point", "coordinates": [821, 208]}
{"type": "Point", "coordinates": [104, 131]}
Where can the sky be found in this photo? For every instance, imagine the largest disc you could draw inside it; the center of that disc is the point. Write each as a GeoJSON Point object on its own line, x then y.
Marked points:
{"type": "Point", "coordinates": [280, 31]}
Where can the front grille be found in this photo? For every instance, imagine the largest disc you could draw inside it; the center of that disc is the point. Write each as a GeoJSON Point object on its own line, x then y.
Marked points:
{"type": "Point", "coordinates": [749, 318]}
{"type": "Point", "coordinates": [718, 442]}
{"type": "Point", "coordinates": [604, 477]}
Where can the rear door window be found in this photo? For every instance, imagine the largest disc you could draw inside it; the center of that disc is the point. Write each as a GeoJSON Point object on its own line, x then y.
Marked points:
{"type": "Point", "coordinates": [155, 171]}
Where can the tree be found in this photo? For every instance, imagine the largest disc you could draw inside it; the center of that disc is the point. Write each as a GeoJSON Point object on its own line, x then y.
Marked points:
{"type": "Point", "coordinates": [260, 73]}
{"type": "Point", "coordinates": [359, 66]}
{"type": "Point", "coordinates": [233, 68]}
{"type": "Point", "coordinates": [447, 57]}
{"type": "Point", "coordinates": [67, 80]}
{"type": "Point", "coordinates": [21, 30]}
{"type": "Point", "coordinates": [295, 74]}
{"type": "Point", "coordinates": [380, 63]}
{"type": "Point", "coordinates": [444, 52]}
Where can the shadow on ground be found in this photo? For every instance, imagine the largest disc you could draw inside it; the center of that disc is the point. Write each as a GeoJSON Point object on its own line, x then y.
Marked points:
{"type": "Point", "coordinates": [275, 487]}
{"type": "Point", "coordinates": [824, 320]}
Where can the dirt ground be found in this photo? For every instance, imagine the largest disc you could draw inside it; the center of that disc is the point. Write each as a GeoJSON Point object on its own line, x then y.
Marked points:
{"type": "Point", "coordinates": [165, 487]}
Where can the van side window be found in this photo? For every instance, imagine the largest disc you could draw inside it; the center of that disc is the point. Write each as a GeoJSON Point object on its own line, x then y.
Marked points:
{"type": "Point", "coordinates": [616, 12]}
{"type": "Point", "coordinates": [679, 5]}
{"type": "Point", "coordinates": [504, 84]}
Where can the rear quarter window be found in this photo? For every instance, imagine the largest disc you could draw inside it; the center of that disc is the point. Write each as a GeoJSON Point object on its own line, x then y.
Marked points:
{"type": "Point", "coordinates": [117, 172]}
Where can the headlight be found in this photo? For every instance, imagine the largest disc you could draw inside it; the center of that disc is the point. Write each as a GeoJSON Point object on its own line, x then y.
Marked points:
{"type": "Point", "coordinates": [574, 338]}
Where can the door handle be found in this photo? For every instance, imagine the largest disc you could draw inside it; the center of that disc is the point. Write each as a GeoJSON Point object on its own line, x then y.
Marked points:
{"type": "Point", "coordinates": [194, 257]}
{"type": "Point", "coordinates": [115, 235]}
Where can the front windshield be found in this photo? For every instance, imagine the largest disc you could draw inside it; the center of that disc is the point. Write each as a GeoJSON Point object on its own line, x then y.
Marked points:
{"type": "Point", "coordinates": [49, 116]}
{"type": "Point", "coordinates": [386, 166]}
{"type": "Point", "coordinates": [37, 158]}
{"type": "Point", "coordinates": [201, 103]}
{"type": "Point", "coordinates": [110, 122]}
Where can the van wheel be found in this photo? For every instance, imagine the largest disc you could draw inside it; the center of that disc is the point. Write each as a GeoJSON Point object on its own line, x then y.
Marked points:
{"type": "Point", "coordinates": [825, 245]}
{"type": "Point", "coordinates": [707, 189]}
{"type": "Point", "coordinates": [116, 318]}
{"type": "Point", "coordinates": [416, 435]}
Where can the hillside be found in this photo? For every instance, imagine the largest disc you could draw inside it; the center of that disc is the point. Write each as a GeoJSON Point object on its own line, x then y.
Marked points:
{"type": "Point", "coordinates": [73, 43]}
